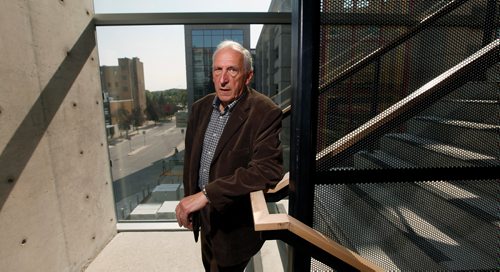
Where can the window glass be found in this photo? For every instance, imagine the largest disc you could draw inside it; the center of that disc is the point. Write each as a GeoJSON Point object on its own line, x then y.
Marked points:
{"type": "Point", "coordinates": [237, 38]}
{"type": "Point", "coordinates": [197, 41]}
{"type": "Point", "coordinates": [216, 40]}
{"type": "Point", "coordinates": [207, 41]}
{"type": "Point", "coordinates": [147, 111]}
{"type": "Point", "coordinates": [197, 32]}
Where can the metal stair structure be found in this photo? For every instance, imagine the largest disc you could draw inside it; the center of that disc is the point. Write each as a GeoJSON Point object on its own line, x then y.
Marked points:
{"type": "Point", "coordinates": [407, 146]}
{"type": "Point", "coordinates": [443, 225]}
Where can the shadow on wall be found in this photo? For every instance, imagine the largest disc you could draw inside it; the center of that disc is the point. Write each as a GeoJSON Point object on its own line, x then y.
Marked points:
{"type": "Point", "coordinates": [24, 141]}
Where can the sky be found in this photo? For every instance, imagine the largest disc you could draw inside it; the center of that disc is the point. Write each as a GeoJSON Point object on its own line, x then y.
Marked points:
{"type": "Point", "coordinates": [160, 48]}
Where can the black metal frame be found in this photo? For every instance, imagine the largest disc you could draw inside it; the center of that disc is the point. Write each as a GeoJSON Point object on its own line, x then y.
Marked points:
{"type": "Point", "coordinates": [367, 19]}
{"type": "Point", "coordinates": [306, 21]}
{"type": "Point", "coordinates": [303, 250]}
{"type": "Point", "coordinates": [186, 18]}
{"type": "Point", "coordinates": [305, 70]}
{"type": "Point", "coordinates": [406, 175]}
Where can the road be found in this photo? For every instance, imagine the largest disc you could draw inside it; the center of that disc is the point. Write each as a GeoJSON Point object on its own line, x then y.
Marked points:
{"type": "Point", "coordinates": [145, 149]}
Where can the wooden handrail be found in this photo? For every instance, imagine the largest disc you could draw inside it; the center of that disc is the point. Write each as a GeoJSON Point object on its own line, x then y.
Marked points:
{"type": "Point", "coordinates": [264, 221]}
{"type": "Point", "coordinates": [282, 184]}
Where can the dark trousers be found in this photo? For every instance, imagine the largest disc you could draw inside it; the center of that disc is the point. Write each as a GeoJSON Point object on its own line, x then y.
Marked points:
{"type": "Point", "coordinates": [209, 261]}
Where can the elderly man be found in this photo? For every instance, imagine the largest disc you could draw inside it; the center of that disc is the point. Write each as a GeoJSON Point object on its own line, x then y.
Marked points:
{"type": "Point", "coordinates": [232, 148]}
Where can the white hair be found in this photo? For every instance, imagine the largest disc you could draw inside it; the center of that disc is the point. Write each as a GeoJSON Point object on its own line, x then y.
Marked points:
{"type": "Point", "coordinates": [247, 56]}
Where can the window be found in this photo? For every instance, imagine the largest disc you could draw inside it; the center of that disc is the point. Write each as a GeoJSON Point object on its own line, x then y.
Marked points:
{"type": "Point", "coordinates": [147, 158]}
{"type": "Point", "coordinates": [207, 41]}
{"type": "Point", "coordinates": [197, 41]}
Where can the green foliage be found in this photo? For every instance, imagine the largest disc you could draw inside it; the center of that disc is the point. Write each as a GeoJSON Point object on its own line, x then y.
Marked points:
{"type": "Point", "coordinates": [161, 104]}
{"type": "Point", "coordinates": [137, 117]}
{"type": "Point", "coordinates": [152, 108]}
{"type": "Point", "coordinates": [124, 119]}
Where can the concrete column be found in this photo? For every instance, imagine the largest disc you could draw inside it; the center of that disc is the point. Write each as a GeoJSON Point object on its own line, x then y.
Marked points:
{"type": "Point", "coordinates": [56, 203]}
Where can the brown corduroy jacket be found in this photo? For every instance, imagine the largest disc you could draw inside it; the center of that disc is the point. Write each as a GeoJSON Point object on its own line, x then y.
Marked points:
{"type": "Point", "coordinates": [248, 158]}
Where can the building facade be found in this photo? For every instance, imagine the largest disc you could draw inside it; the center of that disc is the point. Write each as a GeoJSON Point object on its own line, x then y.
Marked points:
{"type": "Point", "coordinates": [123, 86]}
{"type": "Point", "coordinates": [272, 67]}
{"type": "Point", "coordinates": [272, 61]}
{"type": "Point", "coordinates": [201, 41]}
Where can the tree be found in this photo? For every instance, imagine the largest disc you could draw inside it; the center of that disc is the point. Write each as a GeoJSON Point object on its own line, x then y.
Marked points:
{"type": "Point", "coordinates": [137, 117]}
{"type": "Point", "coordinates": [182, 100]}
{"type": "Point", "coordinates": [124, 119]}
{"type": "Point", "coordinates": [169, 109]}
{"type": "Point", "coordinates": [165, 103]}
{"type": "Point", "coordinates": [152, 109]}
{"type": "Point", "coordinates": [178, 97]}
{"type": "Point", "coordinates": [161, 104]}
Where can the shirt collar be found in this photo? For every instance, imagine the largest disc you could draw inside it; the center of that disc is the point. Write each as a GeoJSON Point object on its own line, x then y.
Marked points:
{"type": "Point", "coordinates": [228, 108]}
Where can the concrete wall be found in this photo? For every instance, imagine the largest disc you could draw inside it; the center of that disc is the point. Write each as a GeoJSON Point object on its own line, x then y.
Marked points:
{"type": "Point", "coordinates": [56, 204]}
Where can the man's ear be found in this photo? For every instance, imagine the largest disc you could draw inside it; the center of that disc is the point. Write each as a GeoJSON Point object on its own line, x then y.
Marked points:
{"type": "Point", "coordinates": [249, 78]}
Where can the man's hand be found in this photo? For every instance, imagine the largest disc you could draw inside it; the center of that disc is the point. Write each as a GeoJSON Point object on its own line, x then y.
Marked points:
{"type": "Point", "coordinates": [187, 206]}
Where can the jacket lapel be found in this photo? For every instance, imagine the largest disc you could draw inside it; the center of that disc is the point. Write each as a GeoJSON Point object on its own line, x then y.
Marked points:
{"type": "Point", "coordinates": [236, 120]}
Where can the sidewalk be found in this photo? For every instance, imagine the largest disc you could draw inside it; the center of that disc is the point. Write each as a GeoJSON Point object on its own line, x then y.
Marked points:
{"type": "Point", "coordinates": [173, 251]}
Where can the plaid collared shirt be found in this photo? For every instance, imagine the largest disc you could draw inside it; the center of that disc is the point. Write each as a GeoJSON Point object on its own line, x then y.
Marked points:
{"type": "Point", "coordinates": [218, 121]}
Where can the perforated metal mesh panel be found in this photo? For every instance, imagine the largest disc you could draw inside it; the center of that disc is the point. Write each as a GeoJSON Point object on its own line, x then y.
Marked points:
{"type": "Point", "coordinates": [422, 226]}
{"type": "Point", "coordinates": [439, 225]}
{"type": "Point", "coordinates": [345, 105]}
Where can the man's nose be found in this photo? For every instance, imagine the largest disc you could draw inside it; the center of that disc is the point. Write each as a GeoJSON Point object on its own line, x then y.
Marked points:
{"type": "Point", "coordinates": [224, 77]}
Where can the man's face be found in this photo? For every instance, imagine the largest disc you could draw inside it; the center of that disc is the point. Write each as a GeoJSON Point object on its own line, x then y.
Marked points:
{"type": "Point", "coordinates": [229, 75]}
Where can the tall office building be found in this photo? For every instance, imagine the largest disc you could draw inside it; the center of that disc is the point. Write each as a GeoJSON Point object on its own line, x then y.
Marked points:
{"type": "Point", "coordinates": [125, 81]}
{"type": "Point", "coordinates": [124, 86]}
{"type": "Point", "coordinates": [272, 65]}
{"type": "Point", "coordinates": [272, 61]}
{"type": "Point", "coordinates": [201, 41]}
